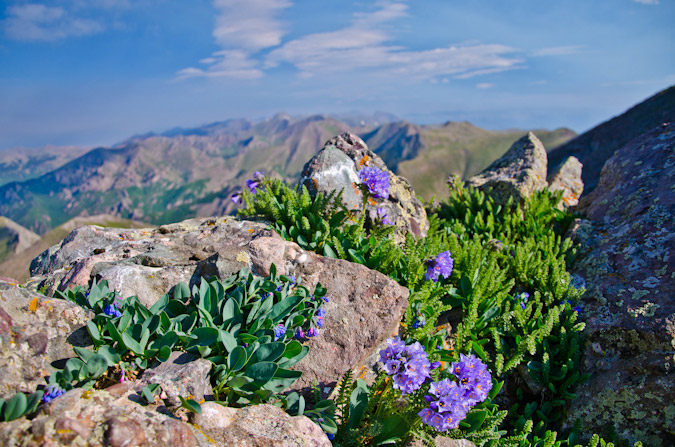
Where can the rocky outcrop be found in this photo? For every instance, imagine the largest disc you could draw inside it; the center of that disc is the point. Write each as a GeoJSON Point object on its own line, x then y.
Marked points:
{"type": "Point", "coordinates": [35, 332]}
{"type": "Point", "coordinates": [365, 306]}
{"type": "Point", "coordinates": [259, 426]}
{"type": "Point", "coordinates": [517, 174]}
{"type": "Point", "coordinates": [336, 167]}
{"type": "Point", "coordinates": [567, 178]}
{"type": "Point", "coordinates": [113, 418]}
{"type": "Point", "coordinates": [625, 256]}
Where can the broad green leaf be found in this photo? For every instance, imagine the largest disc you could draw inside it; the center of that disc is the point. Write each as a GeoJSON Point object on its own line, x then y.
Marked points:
{"type": "Point", "coordinates": [206, 336]}
{"type": "Point", "coordinates": [84, 354]}
{"type": "Point", "coordinates": [190, 405]}
{"type": "Point", "coordinates": [160, 304]}
{"type": "Point", "coordinates": [132, 344]}
{"type": "Point", "coordinates": [228, 341]}
{"type": "Point", "coordinates": [110, 354]}
{"type": "Point", "coordinates": [94, 332]}
{"type": "Point", "coordinates": [284, 307]}
{"type": "Point", "coordinates": [269, 352]}
{"type": "Point", "coordinates": [237, 358]}
{"type": "Point", "coordinates": [358, 401]}
{"type": "Point", "coordinates": [261, 372]}
{"type": "Point", "coordinates": [96, 366]}
{"type": "Point", "coordinates": [282, 379]}
{"type": "Point", "coordinates": [15, 407]}
{"type": "Point", "coordinates": [164, 354]}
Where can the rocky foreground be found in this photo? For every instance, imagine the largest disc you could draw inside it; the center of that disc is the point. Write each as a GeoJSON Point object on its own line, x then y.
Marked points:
{"type": "Point", "coordinates": [626, 242]}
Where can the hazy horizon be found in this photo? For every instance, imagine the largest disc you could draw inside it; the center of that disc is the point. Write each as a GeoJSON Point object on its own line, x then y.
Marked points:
{"type": "Point", "coordinates": [94, 73]}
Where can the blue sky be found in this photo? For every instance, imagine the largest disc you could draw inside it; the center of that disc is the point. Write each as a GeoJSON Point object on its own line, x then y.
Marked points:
{"type": "Point", "coordinates": [93, 72]}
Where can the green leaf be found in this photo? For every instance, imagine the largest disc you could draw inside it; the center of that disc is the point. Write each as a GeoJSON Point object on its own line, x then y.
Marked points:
{"type": "Point", "coordinates": [160, 304]}
{"type": "Point", "coordinates": [132, 344]}
{"type": "Point", "coordinates": [15, 407]}
{"type": "Point", "coordinates": [284, 307]}
{"type": "Point", "coordinates": [84, 354]}
{"type": "Point", "coordinates": [164, 354]}
{"type": "Point", "coordinates": [294, 352]}
{"type": "Point", "coordinates": [270, 352]}
{"type": "Point", "coordinates": [228, 341]}
{"type": "Point", "coordinates": [328, 251]}
{"type": "Point", "coordinates": [356, 256]}
{"type": "Point", "coordinates": [148, 392]}
{"type": "Point", "coordinates": [206, 336]}
{"type": "Point", "coordinates": [237, 359]}
{"type": "Point", "coordinates": [478, 349]}
{"type": "Point", "coordinates": [96, 366]}
{"type": "Point", "coordinates": [181, 291]}
{"type": "Point", "coordinates": [261, 372]}
{"type": "Point", "coordinates": [190, 405]}
{"type": "Point", "coordinates": [358, 401]}
{"type": "Point", "coordinates": [282, 379]}
{"type": "Point", "coordinates": [110, 354]}
{"type": "Point", "coordinates": [473, 421]}
{"type": "Point", "coordinates": [33, 401]}
{"type": "Point", "coordinates": [393, 429]}
{"type": "Point", "coordinates": [94, 332]}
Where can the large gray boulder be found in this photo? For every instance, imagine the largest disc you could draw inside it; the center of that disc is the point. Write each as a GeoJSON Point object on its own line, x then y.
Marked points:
{"type": "Point", "coordinates": [517, 174]}
{"type": "Point", "coordinates": [626, 251]}
{"type": "Point", "coordinates": [365, 306]}
{"type": "Point", "coordinates": [336, 167]}
{"type": "Point", "coordinates": [35, 331]}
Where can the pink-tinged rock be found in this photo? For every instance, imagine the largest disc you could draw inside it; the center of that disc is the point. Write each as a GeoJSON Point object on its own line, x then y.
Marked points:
{"type": "Point", "coordinates": [35, 331]}
{"type": "Point", "coordinates": [365, 308]}
{"type": "Point", "coordinates": [626, 254]}
{"type": "Point", "coordinates": [258, 426]}
{"type": "Point", "coordinates": [567, 178]}
{"type": "Point", "coordinates": [100, 418]}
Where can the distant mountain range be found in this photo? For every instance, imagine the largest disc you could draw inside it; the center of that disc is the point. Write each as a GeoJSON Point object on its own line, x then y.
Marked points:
{"type": "Point", "coordinates": [193, 172]}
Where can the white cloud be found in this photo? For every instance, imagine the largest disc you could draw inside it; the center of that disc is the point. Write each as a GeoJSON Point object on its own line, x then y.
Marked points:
{"type": "Point", "coordinates": [558, 51]}
{"type": "Point", "coordinates": [35, 22]}
{"type": "Point", "coordinates": [484, 85]}
{"type": "Point", "coordinates": [364, 45]}
{"type": "Point", "coordinates": [228, 63]}
{"type": "Point", "coordinates": [246, 27]}
{"type": "Point", "coordinates": [249, 24]}
{"type": "Point", "coordinates": [242, 28]}
{"type": "Point", "coordinates": [647, 2]}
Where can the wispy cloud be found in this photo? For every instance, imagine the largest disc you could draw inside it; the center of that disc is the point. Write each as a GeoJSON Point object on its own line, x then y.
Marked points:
{"type": "Point", "coordinates": [647, 2]}
{"type": "Point", "coordinates": [242, 28]}
{"type": "Point", "coordinates": [484, 85]}
{"type": "Point", "coordinates": [558, 51]}
{"type": "Point", "coordinates": [365, 44]}
{"type": "Point", "coordinates": [36, 22]}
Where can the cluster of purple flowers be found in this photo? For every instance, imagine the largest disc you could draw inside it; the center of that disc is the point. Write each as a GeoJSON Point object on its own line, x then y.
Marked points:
{"type": "Point", "coordinates": [279, 331]}
{"type": "Point", "coordinates": [442, 266]}
{"type": "Point", "coordinates": [52, 392]}
{"type": "Point", "coordinates": [376, 180]}
{"type": "Point", "coordinates": [381, 215]}
{"type": "Point", "coordinates": [450, 401]}
{"type": "Point", "coordinates": [408, 365]}
{"type": "Point", "coordinates": [251, 184]}
{"type": "Point", "coordinates": [522, 297]}
{"type": "Point", "coordinates": [112, 310]}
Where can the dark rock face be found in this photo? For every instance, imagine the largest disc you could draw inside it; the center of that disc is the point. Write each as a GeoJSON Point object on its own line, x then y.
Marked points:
{"type": "Point", "coordinates": [35, 331]}
{"type": "Point", "coordinates": [365, 306]}
{"type": "Point", "coordinates": [595, 147]}
{"type": "Point", "coordinates": [567, 178]}
{"type": "Point", "coordinates": [626, 256]}
{"type": "Point", "coordinates": [336, 168]}
{"type": "Point", "coordinates": [517, 174]}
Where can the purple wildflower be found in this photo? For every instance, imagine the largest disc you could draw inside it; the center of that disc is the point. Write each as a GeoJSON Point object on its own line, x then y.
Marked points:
{"type": "Point", "coordinates": [330, 436]}
{"type": "Point", "coordinates": [299, 334]}
{"type": "Point", "coordinates": [293, 280]}
{"type": "Point", "coordinates": [376, 180]}
{"type": "Point", "coordinates": [325, 299]}
{"type": "Point", "coordinates": [279, 331]}
{"type": "Point", "coordinates": [421, 322]}
{"type": "Point", "coordinates": [313, 332]}
{"type": "Point", "coordinates": [447, 405]}
{"type": "Point", "coordinates": [252, 185]}
{"type": "Point", "coordinates": [321, 312]}
{"type": "Point", "coordinates": [236, 197]}
{"type": "Point", "coordinates": [523, 297]}
{"type": "Point", "coordinates": [474, 378]}
{"type": "Point", "coordinates": [409, 365]}
{"type": "Point", "coordinates": [111, 310]}
{"type": "Point", "coordinates": [442, 265]}
{"type": "Point", "coordinates": [577, 309]}
{"type": "Point", "coordinates": [382, 216]}
{"type": "Point", "coordinates": [52, 392]}
{"type": "Point", "coordinates": [319, 322]}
